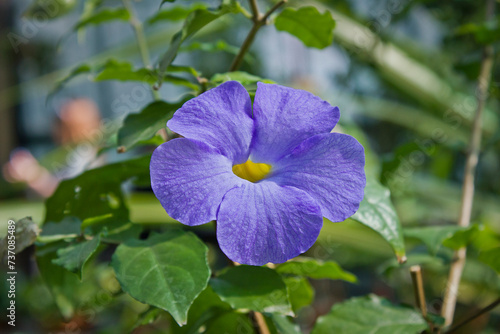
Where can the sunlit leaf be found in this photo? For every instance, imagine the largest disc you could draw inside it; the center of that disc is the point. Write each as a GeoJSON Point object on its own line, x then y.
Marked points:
{"type": "Point", "coordinates": [314, 268]}
{"type": "Point", "coordinates": [377, 212]}
{"type": "Point", "coordinates": [104, 15]}
{"type": "Point", "coordinates": [193, 23]}
{"type": "Point", "coordinates": [246, 79]}
{"type": "Point", "coordinates": [462, 237]}
{"type": "Point", "coordinates": [307, 24]}
{"type": "Point", "coordinates": [300, 292]}
{"type": "Point", "coordinates": [491, 258]}
{"type": "Point", "coordinates": [175, 13]}
{"type": "Point", "coordinates": [167, 270]}
{"type": "Point", "coordinates": [124, 71]}
{"type": "Point", "coordinates": [237, 287]}
{"type": "Point", "coordinates": [369, 314]}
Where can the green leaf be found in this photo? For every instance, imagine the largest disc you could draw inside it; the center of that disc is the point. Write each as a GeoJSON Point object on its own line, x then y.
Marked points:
{"type": "Point", "coordinates": [300, 292]}
{"type": "Point", "coordinates": [230, 322]}
{"type": "Point", "coordinates": [81, 69]}
{"type": "Point", "coordinates": [163, 1]}
{"type": "Point", "coordinates": [217, 46]}
{"type": "Point", "coordinates": [144, 125]}
{"type": "Point", "coordinates": [237, 287]}
{"type": "Point", "coordinates": [167, 270]}
{"type": "Point", "coordinates": [59, 281]}
{"type": "Point", "coordinates": [175, 13]}
{"type": "Point", "coordinates": [25, 233]}
{"type": "Point", "coordinates": [193, 23]}
{"type": "Point", "coordinates": [53, 9]}
{"type": "Point", "coordinates": [377, 212]}
{"type": "Point", "coordinates": [307, 24]}
{"type": "Point", "coordinates": [491, 258]}
{"type": "Point", "coordinates": [68, 228]}
{"type": "Point", "coordinates": [484, 33]}
{"type": "Point", "coordinates": [462, 237]}
{"type": "Point", "coordinates": [369, 314]}
{"type": "Point", "coordinates": [123, 71]}
{"type": "Point", "coordinates": [283, 324]}
{"type": "Point", "coordinates": [314, 268]}
{"type": "Point", "coordinates": [431, 236]}
{"type": "Point", "coordinates": [97, 192]}
{"type": "Point", "coordinates": [104, 15]}
{"type": "Point", "coordinates": [246, 79]}
{"type": "Point", "coordinates": [74, 257]}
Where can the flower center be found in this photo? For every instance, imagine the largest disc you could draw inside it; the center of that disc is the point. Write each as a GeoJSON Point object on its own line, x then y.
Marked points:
{"type": "Point", "coordinates": [251, 171]}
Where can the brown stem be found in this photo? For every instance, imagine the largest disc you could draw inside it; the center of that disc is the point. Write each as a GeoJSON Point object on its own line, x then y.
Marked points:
{"type": "Point", "coordinates": [258, 21]}
{"type": "Point", "coordinates": [458, 263]}
{"type": "Point", "coordinates": [418, 288]}
{"type": "Point", "coordinates": [476, 315]}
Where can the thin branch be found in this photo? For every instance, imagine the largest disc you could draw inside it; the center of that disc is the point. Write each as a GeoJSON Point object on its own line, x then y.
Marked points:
{"type": "Point", "coordinates": [476, 315]}
{"type": "Point", "coordinates": [141, 40]}
{"type": "Point", "coordinates": [458, 264]}
{"type": "Point", "coordinates": [258, 21]}
{"type": "Point", "coordinates": [418, 288]}
{"type": "Point", "coordinates": [255, 10]}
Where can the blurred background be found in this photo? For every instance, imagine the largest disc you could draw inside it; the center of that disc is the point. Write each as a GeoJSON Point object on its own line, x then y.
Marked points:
{"type": "Point", "coordinates": [402, 72]}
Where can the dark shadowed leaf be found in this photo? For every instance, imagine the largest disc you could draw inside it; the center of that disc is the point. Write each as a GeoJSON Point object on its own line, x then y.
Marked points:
{"type": "Point", "coordinates": [377, 212]}
{"type": "Point", "coordinates": [74, 257]}
{"type": "Point", "coordinates": [307, 24]}
{"type": "Point", "coordinates": [167, 270]}
{"type": "Point", "coordinates": [369, 314]}
{"type": "Point", "coordinates": [431, 236]}
{"type": "Point", "coordinates": [97, 192]}
{"type": "Point", "coordinates": [49, 9]}
{"type": "Point", "coordinates": [314, 268]}
{"type": "Point", "coordinates": [236, 286]}
{"type": "Point", "coordinates": [144, 125]}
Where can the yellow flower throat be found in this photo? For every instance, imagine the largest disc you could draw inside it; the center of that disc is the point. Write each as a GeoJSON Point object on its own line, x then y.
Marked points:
{"type": "Point", "coordinates": [251, 171]}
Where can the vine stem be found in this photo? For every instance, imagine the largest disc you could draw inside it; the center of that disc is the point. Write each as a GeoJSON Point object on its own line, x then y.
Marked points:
{"type": "Point", "coordinates": [457, 266]}
{"type": "Point", "coordinates": [259, 20]}
{"type": "Point", "coordinates": [141, 40]}
{"type": "Point", "coordinates": [474, 316]}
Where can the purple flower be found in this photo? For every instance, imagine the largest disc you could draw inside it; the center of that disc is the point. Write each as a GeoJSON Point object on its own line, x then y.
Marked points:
{"type": "Point", "coordinates": [267, 176]}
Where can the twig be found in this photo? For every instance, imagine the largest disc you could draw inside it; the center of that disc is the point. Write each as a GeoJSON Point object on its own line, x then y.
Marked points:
{"type": "Point", "coordinates": [476, 315]}
{"type": "Point", "coordinates": [141, 40]}
{"type": "Point", "coordinates": [259, 20]}
{"type": "Point", "coordinates": [458, 264]}
{"type": "Point", "coordinates": [418, 287]}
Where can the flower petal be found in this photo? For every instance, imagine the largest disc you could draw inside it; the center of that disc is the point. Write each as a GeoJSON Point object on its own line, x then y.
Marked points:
{"type": "Point", "coordinates": [284, 117]}
{"type": "Point", "coordinates": [220, 117]}
{"type": "Point", "coordinates": [262, 222]}
{"type": "Point", "coordinates": [330, 168]}
{"type": "Point", "coordinates": [190, 179]}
